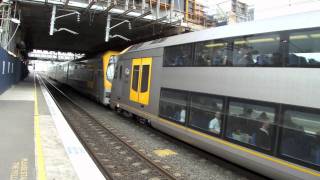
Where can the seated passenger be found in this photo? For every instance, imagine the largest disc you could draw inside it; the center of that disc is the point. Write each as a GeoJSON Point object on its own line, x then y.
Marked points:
{"type": "Point", "coordinates": [263, 137]}
{"type": "Point", "coordinates": [179, 114]}
{"type": "Point", "coordinates": [263, 60]}
{"type": "Point", "coordinates": [246, 58]}
{"type": "Point", "coordinates": [254, 125]}
{"type": "Point", "coordinates": [179, 60]}
{"type": "Point", "coordinates": [218, 58]}
{"type": "Point", "coordinates": [203, 60]}
{"type": "Point", "coordinates": [214, 124]}
{"type": "Point", "coordinates": [246, 113]}
{"type": "Point", "coordinates": [182, 116]}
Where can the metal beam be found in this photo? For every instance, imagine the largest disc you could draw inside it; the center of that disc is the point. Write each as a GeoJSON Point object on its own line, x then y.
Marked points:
{"type": "Point", "coordinates": [108, 28]}
{"type": "Point", "coordinates": [143, 6]}
{"type": "Point", "coordinates": [152, 23]}
{"type": "Point", "coordinates": [66, 4]}
{"type": "Point", "coordinates": [53, 18]}
{"type": "Point", "coordinates": [158, 9]}
{"type": "Point", "coordinates": [141, 16]}
{"type": "Point", "coordinates": [171, 9]}
{"type": "Point", "coordinates": [109, 8]}
{"type": "Point", "coordinates": [125, 13]}
{"type": "Point", "coordinates": [126, 7]}
{"type": "Point", "coordinates": [91, 3]}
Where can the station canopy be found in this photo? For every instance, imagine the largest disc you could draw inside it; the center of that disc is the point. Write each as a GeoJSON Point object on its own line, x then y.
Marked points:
{"type": "Point", "coordinates": [84, 29]}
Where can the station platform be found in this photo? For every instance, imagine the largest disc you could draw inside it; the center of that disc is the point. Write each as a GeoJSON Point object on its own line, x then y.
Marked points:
{"type": "Point", "coordinates": [35, 140]}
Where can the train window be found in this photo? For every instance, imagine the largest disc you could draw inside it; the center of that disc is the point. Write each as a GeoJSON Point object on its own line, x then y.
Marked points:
{"type": "Point", "coordinates": [145, 78]}
{"type": "Point", "coordinates": [116, 72]}
{"type": "Point", "coordinates": [206, 112]}
{"type": "Point", "coordinates": [304, 48]}
{"type": "Point", "coordinates": [173, 105]}
{"type": "Point", "coordinates": [180, 55]}
{"type": "Point", "coordinates": [259, 50]}
{"type": "Point", "coordinates": [300, 137]}
{"type": "Point", "coordinates": [135, 78]}
{"type": "Point", "coordinates": [251, 124]}
{"type": "Point", "coordinates": [111, 68]}
{"type": "Point", "coordinates": [120, 72]}
{"type": "Point", "coordinates": [211, 53]}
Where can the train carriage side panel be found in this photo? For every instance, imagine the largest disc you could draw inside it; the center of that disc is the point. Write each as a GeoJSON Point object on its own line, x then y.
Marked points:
{"type": "Point", "coordinates": [274, 89]}
{"type": "Point", "coordinates": [121, 95]}
{"type": "Point", "coordinates": [176, 78]}
{"type": "Point", "coordinates": [122, 83]}
{"type": "Point", "coordinates": [84, 77]}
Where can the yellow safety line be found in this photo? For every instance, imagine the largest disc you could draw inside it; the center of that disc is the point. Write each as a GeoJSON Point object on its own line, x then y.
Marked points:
{"type": "Point", "coordinates": [231, 145]}
{"type": "Point", "coordinates": [40, 160]}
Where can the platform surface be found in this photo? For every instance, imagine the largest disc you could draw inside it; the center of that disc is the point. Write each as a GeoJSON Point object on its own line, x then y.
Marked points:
{"type": "Point", "coordinates": [16, 132]}
{"type": "Point", "coordinates": [22, 155]}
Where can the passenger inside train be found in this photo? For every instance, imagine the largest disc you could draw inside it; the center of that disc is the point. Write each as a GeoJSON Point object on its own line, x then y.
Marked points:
{"type": "Point", "coordinates": [251, 125]}
{"type": "Point", "coordinates": [215, 123]}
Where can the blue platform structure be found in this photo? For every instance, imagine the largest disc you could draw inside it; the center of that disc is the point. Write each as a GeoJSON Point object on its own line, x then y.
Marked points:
{"type": "Point", "coordinates": [12, 70]}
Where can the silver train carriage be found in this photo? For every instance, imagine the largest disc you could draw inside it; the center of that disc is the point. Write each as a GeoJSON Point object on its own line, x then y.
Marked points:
{"type": "Point", "coordinates": [92, 77]}
{"type": "Point", "coordinates": [246, 92]}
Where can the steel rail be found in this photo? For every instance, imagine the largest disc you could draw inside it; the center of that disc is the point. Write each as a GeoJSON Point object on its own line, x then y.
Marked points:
{"type": "Point", "coordinates": [140, 155]}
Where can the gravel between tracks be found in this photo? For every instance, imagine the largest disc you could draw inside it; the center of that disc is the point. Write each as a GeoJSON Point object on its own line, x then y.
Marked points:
{"type": "Point", "coordinates": [186, 164]}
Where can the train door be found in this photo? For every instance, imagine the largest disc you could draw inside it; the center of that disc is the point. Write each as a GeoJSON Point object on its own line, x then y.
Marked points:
{"type": "Point", "coordinates": [140, 80]}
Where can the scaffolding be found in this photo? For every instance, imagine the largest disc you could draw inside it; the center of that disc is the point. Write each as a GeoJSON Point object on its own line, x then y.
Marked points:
{"type": "Point", "coordinates": [9, 24]}
{"type": "Point", "coordinates": [5, 15]}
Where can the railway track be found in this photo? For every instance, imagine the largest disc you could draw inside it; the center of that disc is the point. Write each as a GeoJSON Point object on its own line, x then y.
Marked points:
{"type": "Point", "coordinates": [115, 155]}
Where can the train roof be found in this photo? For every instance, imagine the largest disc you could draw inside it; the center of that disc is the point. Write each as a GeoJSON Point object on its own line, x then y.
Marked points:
{"type": "Point", "coordinates": [290, 22]}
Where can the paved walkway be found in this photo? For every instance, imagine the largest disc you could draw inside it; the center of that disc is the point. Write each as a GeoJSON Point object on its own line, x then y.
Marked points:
{"type": "Point", "coordinates": [30, 146]}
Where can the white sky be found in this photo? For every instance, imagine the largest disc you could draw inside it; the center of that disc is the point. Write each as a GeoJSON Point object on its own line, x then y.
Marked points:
{"type": "Point", "coordinates": [270, 8]}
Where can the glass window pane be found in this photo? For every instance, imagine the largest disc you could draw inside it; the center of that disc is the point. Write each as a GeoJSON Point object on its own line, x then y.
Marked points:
{"type": "Point", "coordinates": [301, 136]}
{"type": "Point", "coordinates": [304, 48]}
{"type": "Point", "coordinates": [211, 53]}
{"type": "Point", "coordinates": [206, 113]}
{"type": "Point", "coordinates": [251, 124]}
{"type": "Point", "coordinates": [135, 76]}
{"type": "Point", "coordinates": [145, 78]}
{"type": "Point", "coordinates": [180, 55]}
{"type": "Point", "coordinates": [120, 72]}
{"type": "Point", "coordinates": [111, 68]}
{"type": "Point", "coordinates": [116, 72]}
{"type": "Point", "coordinates": [261, 50]}
{"type": "Point", "coordinates": [173, 105]}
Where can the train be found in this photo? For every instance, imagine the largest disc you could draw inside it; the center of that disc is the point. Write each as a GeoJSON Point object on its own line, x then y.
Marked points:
{"type": "Point", "coordinates": [245, 92]}
{"type": "Point", "coordinates": [90, 76]}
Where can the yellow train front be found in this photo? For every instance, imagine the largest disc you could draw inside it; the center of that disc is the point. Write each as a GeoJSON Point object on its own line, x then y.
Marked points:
{"type": "Point", "coordinates": [90, 76]}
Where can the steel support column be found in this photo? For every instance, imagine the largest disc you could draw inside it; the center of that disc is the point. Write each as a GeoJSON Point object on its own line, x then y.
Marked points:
{"type": "Point", "coordinates": [108, 28]}
{"type": "Point", "coordinates": [53, 18]}
{"type": "Point", "coordinates": [158, 9]}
